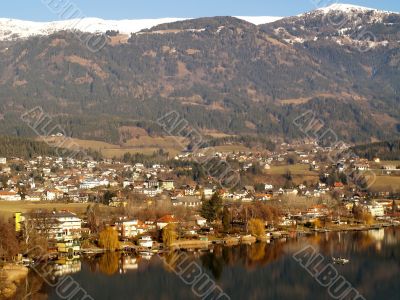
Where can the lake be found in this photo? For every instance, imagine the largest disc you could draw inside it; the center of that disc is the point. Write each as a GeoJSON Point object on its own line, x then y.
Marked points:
{"type": "Point", "coordinates": [260, 271]}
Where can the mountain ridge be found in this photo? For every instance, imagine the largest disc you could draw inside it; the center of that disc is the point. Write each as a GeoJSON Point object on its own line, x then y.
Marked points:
{"type": "Point", "coordinates": [13, 29]}
{"type": "Point", "coordinates": [219, 73]}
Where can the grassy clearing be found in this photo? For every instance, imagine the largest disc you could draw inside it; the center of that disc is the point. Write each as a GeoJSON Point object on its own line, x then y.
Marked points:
{"type": "Point", "coordinates": [7, 209]}
{"type": "Point", "coordinates": [230, 148]}
{"type": "Point", "coordinates": [298, 169]}
{"type": "Point", "coordinates": [386, 183]}
{"type": "Point", "coordinates": [389, 162]}
{"type": "Point", "coordinates": [142, 144]}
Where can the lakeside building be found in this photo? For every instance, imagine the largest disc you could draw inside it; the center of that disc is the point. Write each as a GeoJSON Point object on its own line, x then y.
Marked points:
{"type": "Point", "coordinates": [376, 210]}
{"type": "Point", "coordinates": [59, 226]}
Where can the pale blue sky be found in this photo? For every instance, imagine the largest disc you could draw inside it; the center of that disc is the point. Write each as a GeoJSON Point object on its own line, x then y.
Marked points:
{"type": "Point", "coordinates": [134, 9]}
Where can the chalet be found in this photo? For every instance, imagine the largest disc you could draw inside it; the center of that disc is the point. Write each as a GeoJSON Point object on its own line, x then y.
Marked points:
{"type": "Point", "coordinates": [208, 192]}
{"type": "Point", "coordinates": [198, 220]}
{"type": "Point", "coordinates": [9, 196]}
{"type": "Point", "coordinates": [151, 184]}
{"type": "Point", "coordinates": [127, 228]}
{"type": "Point", "coordinates": [317, 211]}
{"type": "Point", "coordinates": [52, 195]}
{"type": "Point", "coordinates": [167, 185]}
{"type": "Point", "coordinates": [187, 201]}
{"type": "Point", "coordinates": [189, 190]}
{"type": "Point", "coordinates": [165, 220]}
{"type": "Point", "coordinates": [338, 185]}
{"type": "Point", "coordinates": [262, 196]}
{"type": "Point", "coordinates": [34, 197]}
{"type": "Point", "coordinates": [268, 187]}
{"type": "Point", "coordinates": [151, 192]}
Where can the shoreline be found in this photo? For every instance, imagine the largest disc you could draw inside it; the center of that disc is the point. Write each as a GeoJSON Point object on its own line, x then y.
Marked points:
{"type": "Point", "coordinates": [11, 276]}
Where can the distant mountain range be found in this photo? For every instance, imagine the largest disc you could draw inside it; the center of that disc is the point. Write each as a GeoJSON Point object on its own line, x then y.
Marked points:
{"type": "Point", "coordinates": [12, 29]}
{"type": "Point", "coordinates": [223, 74]}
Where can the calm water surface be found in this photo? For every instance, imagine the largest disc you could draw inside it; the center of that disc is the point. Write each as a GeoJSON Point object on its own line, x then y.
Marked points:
{"type": "Point", "coordinates": [260, 271]}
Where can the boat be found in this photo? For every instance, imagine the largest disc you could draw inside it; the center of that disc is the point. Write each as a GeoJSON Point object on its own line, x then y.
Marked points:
{"type": "Point", "coordinates": [340, 260]}
{"type": "Point", "coordinates": [146, 242]}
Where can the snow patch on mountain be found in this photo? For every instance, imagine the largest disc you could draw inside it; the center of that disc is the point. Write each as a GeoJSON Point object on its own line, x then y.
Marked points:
{"type": "Point", "coordinates": [344, 8]}
{"type": "Point", "coordinates": [12, 29]}
{"type": "Point", "coordinates": [260, 20]}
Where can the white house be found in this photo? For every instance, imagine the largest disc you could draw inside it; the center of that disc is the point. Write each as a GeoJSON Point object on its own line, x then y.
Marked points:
{"type": "Point", "coordinates": [208, 192]}
{"type": "Point", "coordinates": [164, 221]}
{"type": "Point", "coordinates": [268, 187]}
{"type": "Point", "coordinates": [3, 160]}
{"type": "Point", "coordinates": [376, 210]}
{"type": "Point", "coordinates": [127, 228]}
{"type": "Point", "coordinates": [200, 221]}
{"type": "Point", "coordinates": [52, 195]}
{"type": "Point", "coordinates": [187, 201]}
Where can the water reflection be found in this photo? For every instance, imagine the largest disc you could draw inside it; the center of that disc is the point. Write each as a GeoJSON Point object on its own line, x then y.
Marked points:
{"type": "Point", "coordinates": [260, 271]}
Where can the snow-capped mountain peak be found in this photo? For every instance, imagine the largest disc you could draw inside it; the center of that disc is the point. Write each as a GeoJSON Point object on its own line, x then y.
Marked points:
{"type": "Point", "coordinates": [12, 29]}
{"type": "Point", "coordinates": [344, 8]}
{"type": "Point", "coordinates": [349, 8]}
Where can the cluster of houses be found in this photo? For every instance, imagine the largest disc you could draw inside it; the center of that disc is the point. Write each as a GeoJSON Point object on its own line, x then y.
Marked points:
{"type": "Point", "coordinates": [64, 229]}
{"type": "Point", "coordinates": [52, 179]}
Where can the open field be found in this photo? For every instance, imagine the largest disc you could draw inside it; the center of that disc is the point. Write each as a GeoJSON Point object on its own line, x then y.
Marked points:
{"type": "Point", "coordinates": [386, 183]}
{"type": "Point", "coordinates": [142, 144]}
{"type": "Point", "coordinates": [7, 209]}
{"type": "Point", "coordinates": [300, 173]}
{"type": "Point", "coordinates": [298, 169]}
{"type": "Point", "coordinates": [229, 148]}
{"type": "Point", "coordinates": [389, 162]}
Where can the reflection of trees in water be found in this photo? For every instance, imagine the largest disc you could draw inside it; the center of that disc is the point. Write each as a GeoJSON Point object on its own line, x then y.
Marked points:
{"type": "Point", "coordinates": [92, 262]}
{"type": "Point", "coordinates": [214, 262]}
{"type": "Point", "coordinates": [373, 272]}
{"type": "Point", "coordinates": [249, 256]}
{"type": "Point", "coordinates": [108, 263]}
{"type": "Point", "coordinates": [262, 254]}
{"type": "Point", "coordinates": [171, 260]}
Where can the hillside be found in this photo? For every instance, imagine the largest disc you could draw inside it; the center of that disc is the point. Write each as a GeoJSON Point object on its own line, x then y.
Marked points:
{"type": "Point", "coordinates": [389, 150]}
{"type": "Point", "coordinates": [221, 73]}
{"type": "Point", "coordinates": [27, 148]}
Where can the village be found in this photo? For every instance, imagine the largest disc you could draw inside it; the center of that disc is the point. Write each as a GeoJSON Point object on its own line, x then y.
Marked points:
{"type": "Point", "coordinates": [65, 207]}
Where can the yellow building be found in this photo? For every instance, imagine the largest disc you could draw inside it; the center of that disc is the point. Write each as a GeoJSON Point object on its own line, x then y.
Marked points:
{"type": "Point", "coordinates": [18, 219]}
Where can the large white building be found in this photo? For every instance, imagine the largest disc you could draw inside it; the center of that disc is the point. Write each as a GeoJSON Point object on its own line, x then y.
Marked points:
{"type": "Point", "coordinates": [59, 226]}
{"type": "Point", "coordinates": [127, 228]}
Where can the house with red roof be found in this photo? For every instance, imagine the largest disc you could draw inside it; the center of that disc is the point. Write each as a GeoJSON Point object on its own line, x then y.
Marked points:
{"type": "Point", "coordinates": [165, 220]}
